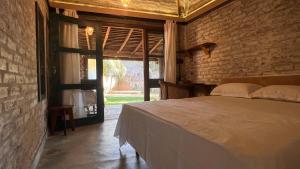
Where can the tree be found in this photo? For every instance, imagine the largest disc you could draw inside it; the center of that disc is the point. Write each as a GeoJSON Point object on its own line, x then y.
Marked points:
{"type": "Point", "coordinates": [114, 68]}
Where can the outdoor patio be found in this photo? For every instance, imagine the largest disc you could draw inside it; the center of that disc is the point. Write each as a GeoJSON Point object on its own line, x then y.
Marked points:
{"type": "Point", "coordinates": [112, 112]}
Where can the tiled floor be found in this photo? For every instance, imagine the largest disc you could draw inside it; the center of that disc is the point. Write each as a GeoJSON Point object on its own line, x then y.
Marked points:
{"type": "Point", "coordinates": [90, 147]}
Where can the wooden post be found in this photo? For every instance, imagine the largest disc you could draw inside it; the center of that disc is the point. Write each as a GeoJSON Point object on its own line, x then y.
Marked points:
{"type": "Point", "coordinates": [99, 67]}
{"type": "Point", "coordinates": [146, 66]}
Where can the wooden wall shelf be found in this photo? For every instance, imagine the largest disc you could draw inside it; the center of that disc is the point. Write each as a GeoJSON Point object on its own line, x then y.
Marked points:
{"type": "Point", "coordinates": [206, 47]}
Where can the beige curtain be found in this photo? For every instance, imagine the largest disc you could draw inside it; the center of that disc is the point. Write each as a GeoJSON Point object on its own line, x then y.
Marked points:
{"type": "Point", "coordinates": [70, 63]}
{"type": "Point", "coordinates": [170, 51]}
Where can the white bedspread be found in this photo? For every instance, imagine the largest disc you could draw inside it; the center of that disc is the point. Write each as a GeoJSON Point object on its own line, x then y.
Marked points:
{"type": "Point", "coordinates": [213, 132]}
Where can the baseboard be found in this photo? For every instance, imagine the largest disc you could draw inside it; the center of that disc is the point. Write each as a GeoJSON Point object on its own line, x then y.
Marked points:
{"type": "Point", "coordinates": [39, 152]}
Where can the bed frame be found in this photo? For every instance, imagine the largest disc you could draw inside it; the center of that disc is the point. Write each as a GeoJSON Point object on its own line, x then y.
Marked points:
{"type": "Point", "coordinates": [266, 80]}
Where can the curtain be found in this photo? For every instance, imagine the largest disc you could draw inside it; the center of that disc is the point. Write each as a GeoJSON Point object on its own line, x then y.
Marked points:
{"type": "Point", "coordinates": [170, 51]}
{"type": "Point", "coordinates": [70, 63]}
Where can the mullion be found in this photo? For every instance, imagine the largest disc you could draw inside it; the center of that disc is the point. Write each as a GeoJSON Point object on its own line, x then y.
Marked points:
{"type": "Point", "coordinates": [75, 50]}
{"type": "Point", "coordinates": [77, 21]}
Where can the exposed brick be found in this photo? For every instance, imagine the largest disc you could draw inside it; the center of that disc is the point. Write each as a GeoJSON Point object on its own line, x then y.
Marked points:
{"type": "Point", "coordinates": [3, 38]}
{"type": "Point", "coordinates": [18, 58]}
{"type": "Point", "coordinates": [5, 54]}
{"type": "Point", "coordinates": [13, 67]}
{"type": "Point", "coordinates": [12, 45]}
{"type": "Point", "coordinates": [21, 51]}
{"type": "Point", "coordinates": [8, 105]}
{"type": "Point", "coordinates": [283, 67]}
{"type": "Point", "coordinates": [3, 92]}
{"type": "Point", "coordinates": [20, 79]}
{"type": "Point", "coordinates": [14, 91]}
{"type": "Point", "coordinates": [19, 139]}
{"type": "Point", "coordinates": [9, 78]}
{"type": "Point", "coordinates": [249, 42]}
{"type": "Point", "coordinates": [3, 64]}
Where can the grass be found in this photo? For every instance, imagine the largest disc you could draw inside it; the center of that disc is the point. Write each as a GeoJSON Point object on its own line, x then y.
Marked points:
{"type": "Point", "coordinates": [115, 100]}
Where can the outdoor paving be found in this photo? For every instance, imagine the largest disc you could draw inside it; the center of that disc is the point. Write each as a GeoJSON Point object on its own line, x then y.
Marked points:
{"type": "Point", "coordinates": [112, 112]}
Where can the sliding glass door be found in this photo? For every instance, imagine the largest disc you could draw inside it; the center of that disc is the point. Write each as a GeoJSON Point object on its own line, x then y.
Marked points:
{"type": "Point", "coordinates": [77, 67]}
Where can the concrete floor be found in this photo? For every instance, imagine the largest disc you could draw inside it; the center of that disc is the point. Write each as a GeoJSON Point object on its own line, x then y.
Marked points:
{"type": "Point", "coordinates": [112, 112]}
{"type": "Point", "coordinates": [89, 147]}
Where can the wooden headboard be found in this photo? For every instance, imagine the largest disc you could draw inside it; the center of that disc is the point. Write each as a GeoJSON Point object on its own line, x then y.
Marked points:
{"type": "Point", "coordinates": [266, 80]}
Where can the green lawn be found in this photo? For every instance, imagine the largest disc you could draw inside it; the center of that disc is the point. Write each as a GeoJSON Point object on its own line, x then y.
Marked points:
{"type": "Point", "coordinates": [114, 100]}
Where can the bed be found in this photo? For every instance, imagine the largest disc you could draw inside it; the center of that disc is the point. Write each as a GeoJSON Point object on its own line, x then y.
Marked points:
{"type": "Point", "coordinates": [215, 132]}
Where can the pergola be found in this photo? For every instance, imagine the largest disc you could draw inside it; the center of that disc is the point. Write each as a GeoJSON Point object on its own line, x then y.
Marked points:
{"type": "Point", "coordinates": [124, 43]}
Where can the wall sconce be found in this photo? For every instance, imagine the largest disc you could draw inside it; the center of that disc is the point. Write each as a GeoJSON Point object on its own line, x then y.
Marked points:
{"type": "Point", "coordinates": [89, 30]}
{"type": "Point", "coordinates": [125, 3]}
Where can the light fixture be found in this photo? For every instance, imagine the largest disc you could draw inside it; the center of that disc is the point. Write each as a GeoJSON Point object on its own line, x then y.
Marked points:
{"type": "Point", "coordinates": [89, 30]}
{"type": "Point", "coordinates": [125, 3]}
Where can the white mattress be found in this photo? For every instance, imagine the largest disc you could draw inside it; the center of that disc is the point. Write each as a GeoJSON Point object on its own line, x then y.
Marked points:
{"type": "Point", "coordinates": [213, 132]}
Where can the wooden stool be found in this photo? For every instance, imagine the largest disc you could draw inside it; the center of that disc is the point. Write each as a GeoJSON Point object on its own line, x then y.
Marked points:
{"type": "Point", "coordinates": [62, 111]}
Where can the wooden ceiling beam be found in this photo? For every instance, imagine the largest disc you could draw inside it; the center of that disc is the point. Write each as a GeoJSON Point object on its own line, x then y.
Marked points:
{"type": "Point", "coordinates": [126, 40]}
{"type": "Point", "coordinates": [106, 36]}
{"type": "Point", "coordinates": [155, 46]}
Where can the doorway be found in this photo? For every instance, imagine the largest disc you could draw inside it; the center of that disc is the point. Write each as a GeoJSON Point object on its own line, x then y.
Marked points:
{"type": "Point", "coordinates": [75, 42]}
{"type": "Point", "coordinates": [115, 63]}
{"type": "Point", "coordinates": [125, 50]}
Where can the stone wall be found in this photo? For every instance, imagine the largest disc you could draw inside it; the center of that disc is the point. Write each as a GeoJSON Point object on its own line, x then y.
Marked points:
{"type": "Point", "coordinates": [22, 117]}
{"type": "Point", "coordinates": [253, 37]}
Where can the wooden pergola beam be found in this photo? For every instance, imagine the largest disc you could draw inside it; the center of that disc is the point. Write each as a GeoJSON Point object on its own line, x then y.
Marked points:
{"type": "Point", "coordinates": [106, 36]}
{"type": "Point", "coordinates": [111, 53]}
{"type": "Point", "coordinates": [155, 46]}
{"type": "Point", "coordinates": [87, 40]}
{"type": "Point", "coordinates": [138, 47]}
{"type": "Point", "coordinates": [126, 40]}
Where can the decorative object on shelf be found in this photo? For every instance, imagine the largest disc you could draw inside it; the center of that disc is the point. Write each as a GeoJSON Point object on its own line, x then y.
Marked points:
{"type": "Point", "coordinates": [206, 47]}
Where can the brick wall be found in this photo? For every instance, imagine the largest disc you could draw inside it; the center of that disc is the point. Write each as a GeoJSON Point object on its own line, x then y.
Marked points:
{"type": "Point", "coordinates": [22, 118]}
{"type": "Point", "coordinates": [254, 38]}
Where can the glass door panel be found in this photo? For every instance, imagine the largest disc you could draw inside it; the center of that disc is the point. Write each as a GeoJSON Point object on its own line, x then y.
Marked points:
{"type": "Point", "coordinates": [79, 66]}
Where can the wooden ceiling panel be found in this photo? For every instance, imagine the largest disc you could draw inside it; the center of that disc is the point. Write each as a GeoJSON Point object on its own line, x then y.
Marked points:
{"type": "Point", "coordinates": [180, 10]}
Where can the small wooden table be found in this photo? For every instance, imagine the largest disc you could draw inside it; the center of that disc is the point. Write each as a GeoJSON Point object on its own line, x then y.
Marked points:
{"type": "Point", "coordinates": [61, 111]}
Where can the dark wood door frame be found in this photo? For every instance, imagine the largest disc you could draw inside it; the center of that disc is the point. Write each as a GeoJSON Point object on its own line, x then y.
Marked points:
{"type": "Point", "coordinates": [149, 83]}
{"type": "Point", "coordinates": [146, 65]}
{"type": "Point", "coordinates": [54, 68]}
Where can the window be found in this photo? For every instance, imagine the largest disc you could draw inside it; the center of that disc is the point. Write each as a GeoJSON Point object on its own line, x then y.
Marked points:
{"type": "Point", "coordinates": [92, 72]}
{"type": "Point", "coordinates": [40, 52]}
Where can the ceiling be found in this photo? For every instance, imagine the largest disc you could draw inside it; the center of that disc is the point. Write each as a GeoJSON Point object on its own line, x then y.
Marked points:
{"type": "Point", "coordinates": [180, 10]}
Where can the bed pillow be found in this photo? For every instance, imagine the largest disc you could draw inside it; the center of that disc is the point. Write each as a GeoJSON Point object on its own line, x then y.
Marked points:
{"type": "Point", "coordinates": [243, 90]}
{"type": "Point", "coordinates": [279, 92]}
